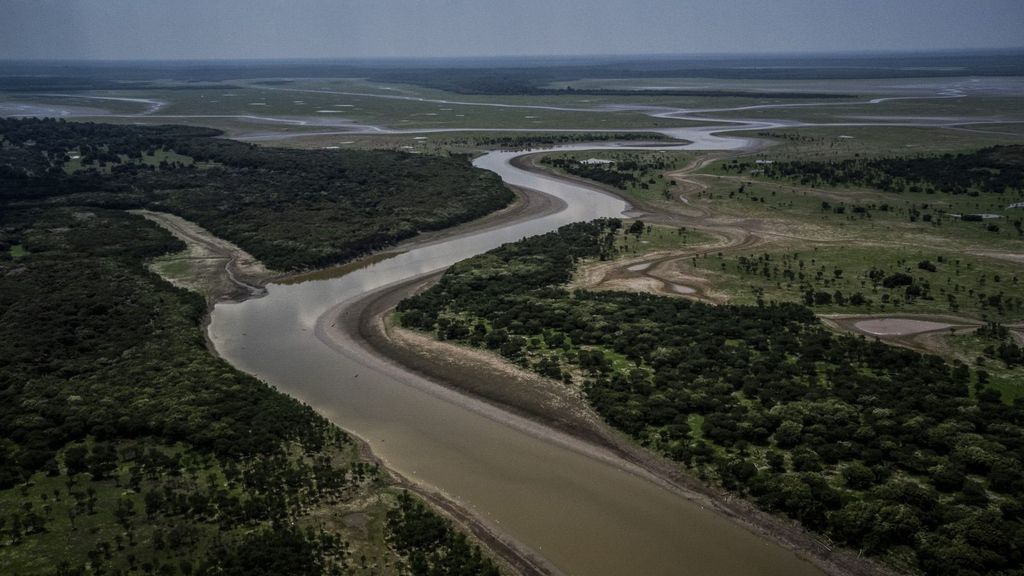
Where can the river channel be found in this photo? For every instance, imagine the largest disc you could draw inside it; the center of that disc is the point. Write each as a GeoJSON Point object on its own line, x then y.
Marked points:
{"type": "Point", "coordinates": [576, 506]}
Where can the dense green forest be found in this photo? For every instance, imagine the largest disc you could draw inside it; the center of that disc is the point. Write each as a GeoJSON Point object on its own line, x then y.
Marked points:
{"type": "Point", "coordinates": [878, 448]}
{"type": "Point", "coordinates": [292, 209]}
{"type": "Point", "coordinates": [126, 447]}
{"type": "Point", "coordinates": [995, 170]}
{"type": "Point", "coordinates": [534, 140]}
{"type": "Point", "coordinates": [430, 545]}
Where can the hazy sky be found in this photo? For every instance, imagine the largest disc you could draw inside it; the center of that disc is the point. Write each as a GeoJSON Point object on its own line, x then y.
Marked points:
{"type": "Point", "coordinates": [198, 29]}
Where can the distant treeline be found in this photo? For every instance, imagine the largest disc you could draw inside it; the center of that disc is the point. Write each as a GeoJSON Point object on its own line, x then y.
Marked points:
{"type": "Point", "coordinates": [533, 82]}
{"type": "Point", "coordinates": [994, 170]}
{"type": "Point", "coordinates": [292, 209]}
{"type": "Point", "coordinates": [81, 84]}
{"type": "Point", "coordinates": [515, 142]}
{"type": "Point", "coordinates": [882, 449]}
{"type": "Point", "coordinates": [513, 75]}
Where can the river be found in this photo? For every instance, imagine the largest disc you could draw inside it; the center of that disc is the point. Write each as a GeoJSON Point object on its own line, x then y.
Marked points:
{"type": "Point", "coordinates": [578, 507]}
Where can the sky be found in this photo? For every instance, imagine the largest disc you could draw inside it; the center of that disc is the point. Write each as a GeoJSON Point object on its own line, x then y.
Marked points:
{"type": "Point", "coordinates": [229, 29]}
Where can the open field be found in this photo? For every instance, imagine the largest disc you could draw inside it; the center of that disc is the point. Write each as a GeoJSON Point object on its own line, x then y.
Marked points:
{"type": "Point", "coordinates": [268, 107]}
{"type": "Point", "coordinates": [970, 348]}
{"type": "Point", "coordinates": [253, 107]}
{"type": "Point", "coordinates": [937, 110]}
{"type": "Point", "coordinates": [840, 142]}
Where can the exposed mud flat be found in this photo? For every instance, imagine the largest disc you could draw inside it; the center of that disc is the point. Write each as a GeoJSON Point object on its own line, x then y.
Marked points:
{"type": "Point", "coordinates": [899, 326]}
{"type": "Point", "coordinates": [683, 289]}
{"type": "Point", "coordinates": [924, 333]}
{"type": "Point", "coordinates": [211, 266]}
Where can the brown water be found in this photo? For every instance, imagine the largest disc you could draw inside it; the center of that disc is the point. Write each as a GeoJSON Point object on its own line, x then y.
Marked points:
{"type": "Point", "coordinates": [576, 506]}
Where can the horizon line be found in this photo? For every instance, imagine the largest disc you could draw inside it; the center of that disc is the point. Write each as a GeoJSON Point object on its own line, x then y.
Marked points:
{"type": "Point", "coordinates": [413, 58]}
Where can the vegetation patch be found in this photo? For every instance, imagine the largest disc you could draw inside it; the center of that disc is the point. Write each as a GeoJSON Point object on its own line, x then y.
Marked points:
{"type": "Point", "coordinates": [636, 173]}
{"type": "Point", "coordinates": [995, 170]}
{"type": "Point", "coordinates": [996, 352]}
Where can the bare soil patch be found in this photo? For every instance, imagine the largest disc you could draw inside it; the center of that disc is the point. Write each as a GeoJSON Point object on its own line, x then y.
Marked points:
{"type": "Point", "coordinates": [211, 266]}
{"type": "Point", "coordinates": [899, 326]}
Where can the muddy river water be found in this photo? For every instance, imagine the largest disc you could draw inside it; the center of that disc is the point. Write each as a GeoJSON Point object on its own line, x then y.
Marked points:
{"type": "Point", "coordinates": [576, 506]}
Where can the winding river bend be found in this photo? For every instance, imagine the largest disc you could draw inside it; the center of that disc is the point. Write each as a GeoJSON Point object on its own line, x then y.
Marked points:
{"type": "Point", "coordinates": [580, 508]}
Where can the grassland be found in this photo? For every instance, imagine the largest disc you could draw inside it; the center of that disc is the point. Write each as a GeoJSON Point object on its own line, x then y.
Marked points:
{"type": "Point", "coordinates": [154, 159]}
{"type": "Point", "coordinates": [959, 285]}
{"type": "Point", "coordinates": [462, 142]}
{"type": "Point", "coordinates": [929, 109]}
{"type": "Point", "coordinates": [842, 142]}
{"type": "Point", "coordinates": [323, 109]}
{"type": "Point", "coordinates": [657, 238]}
